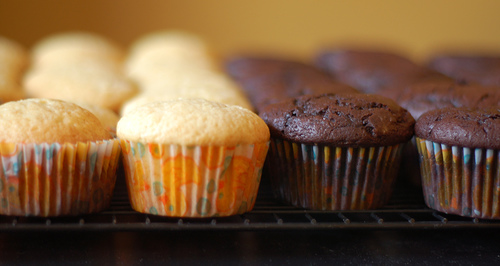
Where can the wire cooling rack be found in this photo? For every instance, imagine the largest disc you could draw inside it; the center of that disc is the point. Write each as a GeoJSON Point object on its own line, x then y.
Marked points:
{"type": "Point", "coordinates": [405, 210]}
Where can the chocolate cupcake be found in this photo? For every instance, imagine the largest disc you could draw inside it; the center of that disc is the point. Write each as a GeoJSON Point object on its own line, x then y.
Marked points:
{"type": "Point", "coordinates": [270, 80]}
{"type": "Point", "coordinates": [479, 69]}
{"type": "Point", "coordinates": [459, 154]}
{"type": "Point", "coordinates": [370, 71]}
{"type": "Point", "coordinates": [336, 151]}
{"type": "Point", "coordinates": [422, 97]}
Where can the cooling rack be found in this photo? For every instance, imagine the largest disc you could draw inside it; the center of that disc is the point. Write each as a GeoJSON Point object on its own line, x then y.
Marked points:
{"type": "Point", "coordinates": [405, 210]}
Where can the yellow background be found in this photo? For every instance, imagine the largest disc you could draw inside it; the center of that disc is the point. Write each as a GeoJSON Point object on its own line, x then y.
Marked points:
{"type": "Point", "coordinates": [291, 28]}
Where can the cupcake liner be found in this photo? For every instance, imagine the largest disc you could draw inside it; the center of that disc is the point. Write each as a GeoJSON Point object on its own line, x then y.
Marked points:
{"type": "Point", "coordinates": [55, 179]}
{"type": "Point", "coordinates": [193, 181]}
{"type": "Point", "coordinates": [459, 180]}
{"type": "Point", "coordinates": [332, 178]}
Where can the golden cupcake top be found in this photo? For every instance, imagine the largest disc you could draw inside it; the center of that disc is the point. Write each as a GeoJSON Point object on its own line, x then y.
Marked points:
{"type": "Point", "coordinates": [50, 121]}
{"type": "Point", "coordinates": [192, 122]}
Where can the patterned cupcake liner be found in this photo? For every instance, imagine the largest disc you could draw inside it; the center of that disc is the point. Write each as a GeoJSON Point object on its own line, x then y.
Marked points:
{"type": "Point", "coordinates": [332, 178]}
{"type": "Point", "coordinates": [458, 180]}
{"type": "Point", "coordinates": [193, 181]}
{"type": "Point", "coordinates": [57, 179]}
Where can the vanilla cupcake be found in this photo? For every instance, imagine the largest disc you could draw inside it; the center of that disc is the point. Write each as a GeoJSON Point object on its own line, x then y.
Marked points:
{"type": "Point", "coordinates": [154, 56]}
{"type": "Point", "coordinates": [193, 157]}
{"type": "Point", "coordinates": [67, 47]}
{"type": "Point", "coordinates": [209, 86]}
{"type": "Point", "coordinates": [57, 159]}
{"type": "Point", "coordinates": [83, 81]}
{"type": "Point", "coordinates": [108, 118]}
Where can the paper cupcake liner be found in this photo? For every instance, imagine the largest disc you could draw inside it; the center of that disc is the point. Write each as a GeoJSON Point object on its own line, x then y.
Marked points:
{"type": "Point", "coordinates": [193, 181]}
{"type": "Point", "coordinates": [458, 180]}
{"type": "Point", "coordinates": [57, 179]}
{"type": "Point", "coordinates": [332, 178]}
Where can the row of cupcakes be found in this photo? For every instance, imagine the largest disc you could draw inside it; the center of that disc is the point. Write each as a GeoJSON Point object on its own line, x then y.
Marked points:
{"type": "Point", "coordinates": [328, 151]}
{"type": "Point", "coordinates": [302, 117]}
{"type": "Point", "coordinates": [181, 158]}
{"type": "Point", "coordinates": [184, 157]}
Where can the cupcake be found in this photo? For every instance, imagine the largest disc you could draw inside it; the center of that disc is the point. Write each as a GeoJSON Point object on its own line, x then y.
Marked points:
{"type": "Point", "coordinates": [459, 156]}
{"type": "Point", "coordinates": [370, 70]}
{"type": "Point", "coordinates": [421, 97]}
{"type": "Point", "coordinates": [470, 68]}
{"type": "Point", "coordinates": [336, 151]}
{"type": "Point", "coordinates": [270, 80]}
{"type": "Point", "coordinates": [108, 118]}
{"type": "Point", "coordinates": [192, 157]}
{"type": "Point", "coordinates": [67, 47]}
{"type": "Point", "coordinates": [85, 81]}
{"type": "Point", "coordinates": [156, 55]}
{"type": "Point", "coordinates": [57, 159]}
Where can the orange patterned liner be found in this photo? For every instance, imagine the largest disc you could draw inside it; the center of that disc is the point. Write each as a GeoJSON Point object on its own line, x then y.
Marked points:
{"type": "Point", "coordinates": [54, 179]}
{"type": "Point", "coordinates": [193, 181]}
{"type": "Point", "coordinates": [460, 180]}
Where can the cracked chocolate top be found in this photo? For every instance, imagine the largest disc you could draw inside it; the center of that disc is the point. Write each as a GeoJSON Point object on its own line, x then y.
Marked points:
{"type": "Point", "coordinates": [354, 120]}
{"type": "Point", "coordinates": [464, 127]}
{"type": "Point", "coordinates": [423, 97]}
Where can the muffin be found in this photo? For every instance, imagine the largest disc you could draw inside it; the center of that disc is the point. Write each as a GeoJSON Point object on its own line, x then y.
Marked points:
{"type": "Point", "coordinates": [468, 68]}
{"type": "Point", "coordinates": [372, 70]}
{"type": "Point", "coordinates": [192, 157]}
{"type": "Point", "coordinates": [163, 91]}
{"type": "Point", "coordinates": [270, 80]}
{"type": "Point", "coordinates": [108, 118]}
{"type": "Point", "coordinates": [459, 155]}
{"type": "Point", "coordinates": [156, 55]}
{"type": "Point", "coordinates": [67, 47]}
{"type": "Point", "coordinates": [336, 151]}
{"type": "Point", "coordinates": [422, 97]}
{"type": "Point", "coordinates": [57, 159]}
{"type": "Point", "coordinates": [84, 81]}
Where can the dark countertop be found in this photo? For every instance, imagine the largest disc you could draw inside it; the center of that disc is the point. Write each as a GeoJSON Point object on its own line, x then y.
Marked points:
{"type": "Point", "coordinates": [339, 247]}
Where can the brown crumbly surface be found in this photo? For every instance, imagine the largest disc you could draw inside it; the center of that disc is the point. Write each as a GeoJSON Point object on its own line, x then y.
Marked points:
{"type": "Point", "coordinates": [51, 121]}
{"type": "Point", "coordinates": [422, 97]}
{"type": "Point", "coordinates": [370, 71]}
{"type": "Point", "coordinates": [464, 127]}
{"type": "Point", "coordinates": [269, 80]}
{"type": "Point", "coordinates": [340, 119]}
{"type": "Point", "coordinates": [480, 69]}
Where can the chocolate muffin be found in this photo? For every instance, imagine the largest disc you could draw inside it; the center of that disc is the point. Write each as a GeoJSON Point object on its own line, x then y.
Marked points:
{"type": "Point", "coordinates": [421, 97]}
{"type": "Point", "coordinates": [480, 69]}
{"type": "Point", "coordinates": [336, 151]}
{"type": "Point", "coordinates": [270, 80]}
{"type": "Point", "coordinates": [460, 152]}
{"type": "Point", "coordinates": [370, 71]}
